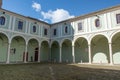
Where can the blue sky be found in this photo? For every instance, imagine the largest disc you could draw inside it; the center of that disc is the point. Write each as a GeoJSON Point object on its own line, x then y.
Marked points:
{"type": "Point", "coordinates": [53, 11]}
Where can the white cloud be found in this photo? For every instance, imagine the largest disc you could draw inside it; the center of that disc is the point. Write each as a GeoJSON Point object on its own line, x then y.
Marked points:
{"type": "Point", "coordinates": [36, 6]}
{"type": "Point", "coordinates": [57, 15]}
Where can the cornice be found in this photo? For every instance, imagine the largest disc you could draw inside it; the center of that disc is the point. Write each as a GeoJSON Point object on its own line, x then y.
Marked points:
{"type": "Point", "coordinates": [106, 10]}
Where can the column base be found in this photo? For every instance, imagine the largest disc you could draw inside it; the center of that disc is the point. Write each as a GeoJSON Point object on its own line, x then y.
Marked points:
{"type": "Point", "coordinates": [7, 62]}
{"type": "Point", "coordinates": [111, 64]}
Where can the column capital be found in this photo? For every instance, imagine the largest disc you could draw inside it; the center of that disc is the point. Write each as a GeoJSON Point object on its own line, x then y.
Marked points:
{"type": "Point", "coordinates": [60, 46]}
{"type": "Point", "coordinates": [26, 43]}
{"type": "Point", "coordinates": [10, 41]}
{"type": "Point", "coordinates": [89, 44]}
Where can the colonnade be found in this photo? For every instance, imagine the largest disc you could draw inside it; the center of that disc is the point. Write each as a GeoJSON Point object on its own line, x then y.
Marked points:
{"type": "Point", "coordinates": [99, 49]}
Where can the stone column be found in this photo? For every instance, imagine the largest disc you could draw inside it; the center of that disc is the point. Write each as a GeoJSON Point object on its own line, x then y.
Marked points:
{"type": "Point", "coordinates": [89, 50]}
{"type": "Point", "coordinates": [60, 55]}
{"type": "Point", "coordinates": [110, 51]}
{"type": "Point", "coordinates": [50, 55]}
{"type": "Point", "coordinates": [8, 53]}
{"type": "Point", "coordinates": [73, 53]}
{"type": "Point", "coordinates": [25, 55]}
{"type": "Point", "coordinates": [39, 53]}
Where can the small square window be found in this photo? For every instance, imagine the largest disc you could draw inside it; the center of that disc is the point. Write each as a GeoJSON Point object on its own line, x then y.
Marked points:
{"type": "Point", "coordinates": [55, 31]}
{"type": "Point", "coordinates": [79, 26]}
{"type": "Point", "coordinates": [66, 29]}
{"type": "Point", "coordinates": [34, 29]}
{"type": "Point", "coordinates": [45, 31]}
{"type": "Point", "coordinates": [118, 18]}
{"type": "Point", "coordinates": [20, 25]}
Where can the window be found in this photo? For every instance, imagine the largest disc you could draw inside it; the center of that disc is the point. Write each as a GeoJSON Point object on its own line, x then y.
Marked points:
{"type": "Point", "coordinates": [118, 18]}
{"type": "Point", "coordinates": [20, 25]}
{"type": "Point", "coordinates": [34, 29]}
{"type": "Point", "coordinates": [55, 31]}
{"type": "Point", "coordinates": [45, 31]}
{"type": "Point", "coordinates": [66, 29]}
{"type": "Point", "coordinates": [2, 20]}
{"type": "Point", "coordinates": [79, 26]}
{"type": "Point", "coordinates": [97, 23]}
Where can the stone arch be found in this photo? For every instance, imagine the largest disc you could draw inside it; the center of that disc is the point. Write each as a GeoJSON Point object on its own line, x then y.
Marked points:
{"type": "Point", "coordinates": [44, 41]}
{"type": "Point", "coordinates": [33, 50]}
{"type": "Point", "coordinates": [19, 36]}
{"type": "Point", "coordinates": [33, 38]}
{"type": "Point", "coordinates": [64, 40]}
{"type": "Point", "coordinates": [80, 37]}
{"type": "Point", "coordinates": [115, 40]}
{"type": "Point", "coordinates": [99, 46]}
{"type": "Point", "coordinates": [67, 51]}
{"type": "Point", "coordinates": [92, 36]}
{"type": "Point", "coordinates": [55, 49]}
{"type": "Point", "coordinates": [4, 42]}
{"type": "Point", "coordinates": [45, 55]}
{"type": "Point", "coordinates": [18, 44]}
{"type": "Point", "coordinates": [81, 50]}
{"type": "Point", "coordinates": [5, 35]}
{"type": "Point", "coordinates": [53, 42]}
{"type": "Point", "coordinates": [113, 34]}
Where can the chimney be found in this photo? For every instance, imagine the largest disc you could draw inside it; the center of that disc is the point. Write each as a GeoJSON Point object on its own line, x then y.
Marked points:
{"type": "Point", "coordinates": [0, 3]}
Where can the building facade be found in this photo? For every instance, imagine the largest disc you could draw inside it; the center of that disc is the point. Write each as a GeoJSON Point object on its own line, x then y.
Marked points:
{"type": "Point", "coordinates": [91, 38]}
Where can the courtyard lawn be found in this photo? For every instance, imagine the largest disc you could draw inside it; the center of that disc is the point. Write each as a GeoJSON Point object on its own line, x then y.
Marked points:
{"type": "Point", "coordinates": [58, 72]}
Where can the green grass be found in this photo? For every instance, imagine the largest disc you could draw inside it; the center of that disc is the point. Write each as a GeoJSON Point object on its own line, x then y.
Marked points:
{"type": "Point", "coordinates": [61, 72]}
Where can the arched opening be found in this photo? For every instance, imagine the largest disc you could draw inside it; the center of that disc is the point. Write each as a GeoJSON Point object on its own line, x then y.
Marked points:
{"type": "Point", "coordinates": [116, 48]}
{"type": "Point", "coordinates": [100, 49]}
{"type": "Point", "coordinates": [17, 49]}
{"type": "Point", "coordinates": [67, 51]}
{"type": "Point", "coordinates": [33, 47]}
{"type": "Point", "coordinates": [45, 52]}
{"type": "Point", "coordinates": [55, 52]}
{"type": "Point", "coordinates": [3, 47]}
{"type": "Point", "coordinates": [81, 51]}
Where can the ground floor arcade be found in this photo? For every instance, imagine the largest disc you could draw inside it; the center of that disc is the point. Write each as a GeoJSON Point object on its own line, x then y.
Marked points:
{"type": "Point", "coordinates": [99, 49]}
